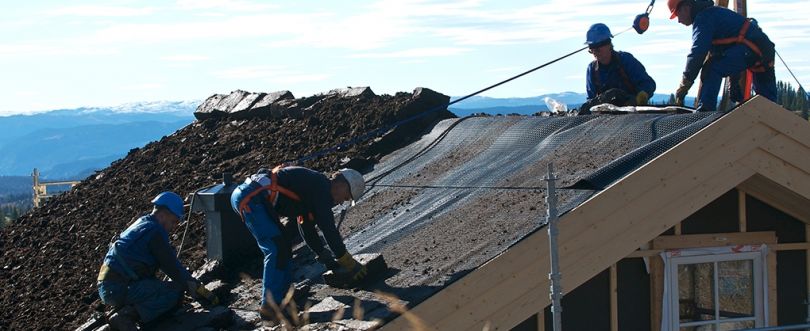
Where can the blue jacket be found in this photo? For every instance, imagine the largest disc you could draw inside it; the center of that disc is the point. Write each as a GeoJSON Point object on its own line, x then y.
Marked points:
{"type": "Point", "coordinates": [314, 189]}
{"type": "Point", "coordinates": [715, 23]}
{"type": "Point", "coordinates": [610, 76]}
{"type": "Point", "coordinates": [144, 247]}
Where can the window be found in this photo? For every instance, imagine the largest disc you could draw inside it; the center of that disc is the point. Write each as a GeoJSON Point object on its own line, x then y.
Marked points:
{"type": "Point", "coordinates": [715, 289]}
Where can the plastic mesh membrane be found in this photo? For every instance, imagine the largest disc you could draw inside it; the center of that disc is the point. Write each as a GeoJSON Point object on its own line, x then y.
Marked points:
{"type": "Point", "coordinates": [467, 191]}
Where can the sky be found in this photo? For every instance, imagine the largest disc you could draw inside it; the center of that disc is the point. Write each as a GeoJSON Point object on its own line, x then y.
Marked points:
{"type": "Point", "coordinates": [68, 54]}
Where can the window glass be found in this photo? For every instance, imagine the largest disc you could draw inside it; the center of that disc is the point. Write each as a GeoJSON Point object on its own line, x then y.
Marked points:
{"type": "Point", "coordinates": [736, 288]}
{"type": "Point", "coordinates": [696, 292]}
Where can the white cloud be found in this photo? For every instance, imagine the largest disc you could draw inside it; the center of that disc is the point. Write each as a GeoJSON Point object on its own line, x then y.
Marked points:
{"type": "Point", "coordinates": [142, 87]}
{"type": "Point", "coordinates": [415, 53]}
{"type": "Point", "coordinates": [100, 11]}
{"type": "Point", "coordinates": [232, 5]}
{"type": "Point", "coordinates": [184, 58]}
{"type": "Point", "coordinates": [270, 73]}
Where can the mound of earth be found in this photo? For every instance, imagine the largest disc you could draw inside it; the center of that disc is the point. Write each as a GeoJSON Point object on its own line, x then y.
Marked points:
{"type": "Point", "coordinates": [50, 257]}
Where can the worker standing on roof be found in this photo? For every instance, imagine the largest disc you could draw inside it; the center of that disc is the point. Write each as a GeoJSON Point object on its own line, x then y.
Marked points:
{"type": "Point", "coordinates": [733, 43]}
{"type": "Point", "coordinates": [127, 279]}
{"type": "Point", "coordinates": [302, 194]}
{"type": "Point", "coordinates": [614, 77]}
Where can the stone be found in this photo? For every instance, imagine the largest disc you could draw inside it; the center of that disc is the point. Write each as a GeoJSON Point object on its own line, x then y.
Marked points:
{"type": "Point", "coordinates": [325, 310]}
{"type": "Point", "coordinates": [206, 109]}
{"type": "Point", "coordinates": [230, 101]}
{"type": "Point", "coordinates": [375, 265]}
{"type": "Point", "coordinates": [351, 92]}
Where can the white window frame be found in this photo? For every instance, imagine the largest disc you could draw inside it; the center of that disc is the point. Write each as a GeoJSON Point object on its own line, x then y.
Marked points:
{"type": "Point", "coordinates": [760, 294]}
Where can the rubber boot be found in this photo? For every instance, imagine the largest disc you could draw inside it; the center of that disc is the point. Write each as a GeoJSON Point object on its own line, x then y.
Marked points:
{"type": "Point", "coordinates": [125, 319]}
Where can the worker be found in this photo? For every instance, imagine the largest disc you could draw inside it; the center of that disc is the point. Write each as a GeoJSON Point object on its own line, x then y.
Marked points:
{"type": "Point", "coordinates": [733, 44]}
{"type": "Point", "coordinates": [306, 196]}
{"type": "Point", "coordinates": [614, 77]}
{"type": "Point", "coordinates": [127, 280]}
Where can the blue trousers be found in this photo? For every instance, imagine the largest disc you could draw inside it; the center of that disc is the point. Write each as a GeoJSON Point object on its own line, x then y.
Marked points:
{"type": "Point", "coordinates": [264, 225]}
{"type": "Point", "coordinates": [150, 297]}
{"type": "Point", "coordinates": [734, 60]}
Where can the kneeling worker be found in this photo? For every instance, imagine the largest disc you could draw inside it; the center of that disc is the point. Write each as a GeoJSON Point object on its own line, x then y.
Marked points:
{"type": "Point", "coordinates": [127, 279]}
{"type": "Point", "coordinates": [302, 194]}
{"type": "Point", "coordinates": [614, 77]}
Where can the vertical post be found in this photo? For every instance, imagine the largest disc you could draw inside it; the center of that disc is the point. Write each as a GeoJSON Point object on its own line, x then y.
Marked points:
{"type": "Point", "coordinates": [614, 298]}
{"type": "Point", "coordinates": [741, 210]}
{"type": "Point", "coordinates": [35, 176]}
{"type": "Point", "coordinates": [553, 232]}
{"type": "Point", "coordinates": [807, 267]}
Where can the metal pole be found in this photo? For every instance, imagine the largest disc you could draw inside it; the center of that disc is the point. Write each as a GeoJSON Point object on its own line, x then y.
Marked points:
{"type": "Point", "coordinates": [553, 232]}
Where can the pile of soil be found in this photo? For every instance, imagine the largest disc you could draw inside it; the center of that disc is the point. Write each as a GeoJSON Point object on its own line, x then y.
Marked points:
{"type": "Point", "coordinates": [50, 257]}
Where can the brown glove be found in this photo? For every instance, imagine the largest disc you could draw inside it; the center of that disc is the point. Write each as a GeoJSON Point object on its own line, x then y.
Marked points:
{"type": "Point", "coordinates": [683, 89]}
{"type": "Point", "coordinates": [641, 98]}
{"type": "Point", "coordinates": [197, 291]}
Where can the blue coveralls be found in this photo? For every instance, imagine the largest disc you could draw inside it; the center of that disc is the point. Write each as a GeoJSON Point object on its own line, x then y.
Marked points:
{"type": "Point", "coordinates": [726, 60]}
{"type": "Point", "coordinates": [262, 219]}
{"type": "Point", "coordinates": [142, 248]}
{"type": "Point", "coordinates": [610, 76]}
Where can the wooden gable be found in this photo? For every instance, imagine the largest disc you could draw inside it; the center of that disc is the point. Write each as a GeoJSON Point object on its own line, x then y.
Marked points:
{"type": "Point", "coordinates": [759, 148]}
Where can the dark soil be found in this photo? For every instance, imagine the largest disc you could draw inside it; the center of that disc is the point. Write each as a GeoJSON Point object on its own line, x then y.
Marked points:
{"type": "Point", "coordinates": [50, 257]}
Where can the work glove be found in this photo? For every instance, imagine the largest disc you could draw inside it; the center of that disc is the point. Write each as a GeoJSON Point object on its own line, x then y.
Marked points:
{"type": "Point", "coordinates": [357, 270]}
{"type": "Point", "coordinates": [198, 292]}
{"type": "Point", "coordinates": [641, 98]}
{"type": "Point", "coordinates": [683, 89]}
{"type": "Point", "coordinates": [327, 260]}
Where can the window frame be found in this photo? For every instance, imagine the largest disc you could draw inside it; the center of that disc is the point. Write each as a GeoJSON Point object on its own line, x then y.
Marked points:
{"type": "Point", "coordinates": [759, 273]}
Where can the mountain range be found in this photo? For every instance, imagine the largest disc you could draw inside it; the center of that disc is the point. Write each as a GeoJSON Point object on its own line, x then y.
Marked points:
{"type": "Point", "coordinates": [72, 143]}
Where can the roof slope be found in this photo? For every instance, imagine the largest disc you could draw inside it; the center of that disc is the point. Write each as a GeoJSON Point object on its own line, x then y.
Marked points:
{"type": "Point", "coordinates": [473, 187]}
{"type": "Point", "coordinates": [758, 146]}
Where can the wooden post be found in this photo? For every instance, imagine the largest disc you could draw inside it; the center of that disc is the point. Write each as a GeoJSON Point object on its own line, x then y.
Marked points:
{"type": "Point", "coordinates": [742, 210]}
{"type": "Point", "coordinates": [614, 299]}
{"type": "Point", "coordinates": [656, 291]}
{"type": "Point", "coordinates": [807, 274]}
{"type": "Point", "coordinates": [541, 320]}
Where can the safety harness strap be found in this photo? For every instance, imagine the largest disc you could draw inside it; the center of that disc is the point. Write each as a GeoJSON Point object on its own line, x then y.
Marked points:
{"type": "Point", "coordinates": [740, 39]}
{"type": "Point", "coordinates": [123, 264]}
{"type": "Point", "coordinates": [274, 190]}
{"type": "Point", "coordinates": [625, 79]}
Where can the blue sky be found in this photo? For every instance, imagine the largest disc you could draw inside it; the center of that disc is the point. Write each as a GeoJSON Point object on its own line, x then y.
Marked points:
{"type": "Point", "coordinates": [65, 54]}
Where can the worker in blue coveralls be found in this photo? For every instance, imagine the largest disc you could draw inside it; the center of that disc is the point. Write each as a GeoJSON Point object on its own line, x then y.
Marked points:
{"type": "Point", "coordinates": [614, 77]}
{"type": "Point", "coordinates": [733, 44]}
{"type": "Point", "coordinates": [299, 194]}
{"type": "Point", "coordinates": [127, 281]}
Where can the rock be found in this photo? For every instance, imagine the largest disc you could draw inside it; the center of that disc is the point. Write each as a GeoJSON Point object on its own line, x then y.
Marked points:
{"type": "Point", "coordinates": [209, 271]}
{"type": "Point", "coordinates": [326, 310]}
{"type": "Point", "coordinates": [271, 104]}
{"type": "Point", "coordinates": [206, 109]}
{"type": "Point", "coordinates": [375, 264]}
{"type": "Point", "coordinates": [218, 317]}
{"type": "Point", "coordinates": [351, 92]}
{"type": "Point", "coordinates": [241, 109]}
{"type": "Point", "coordinates": [229, 102]}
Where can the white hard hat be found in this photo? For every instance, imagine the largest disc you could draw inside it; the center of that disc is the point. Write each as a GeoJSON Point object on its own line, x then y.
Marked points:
{"type": "Point", "coordinates": [357, 185]}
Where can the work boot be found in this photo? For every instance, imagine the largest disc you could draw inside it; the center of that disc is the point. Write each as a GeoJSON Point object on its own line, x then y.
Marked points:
{"type": "Point", "coordinates": [125, 319]}
{"type": "Point", "coordinates": [271, 314]}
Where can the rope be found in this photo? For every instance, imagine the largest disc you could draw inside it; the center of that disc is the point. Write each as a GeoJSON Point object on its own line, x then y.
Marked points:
{"type": "Point", "coordinates": [791, 73]}
{"type": "Point", "coordinates": [450, 187]}
{"type": "Point", "coordinates": [376, 132]}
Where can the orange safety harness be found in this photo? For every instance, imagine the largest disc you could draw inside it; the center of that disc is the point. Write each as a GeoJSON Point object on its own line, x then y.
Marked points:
{"type": "Point", "coordinates": [740, 39]}
{"type": "Point", "coordinates": [272, 197]}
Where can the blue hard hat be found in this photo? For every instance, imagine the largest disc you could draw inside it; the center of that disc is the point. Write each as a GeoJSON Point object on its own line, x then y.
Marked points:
{"type": "Point", "coordinates": [597, 34]}
{"type": "Point", "coordinates": [171, 201]}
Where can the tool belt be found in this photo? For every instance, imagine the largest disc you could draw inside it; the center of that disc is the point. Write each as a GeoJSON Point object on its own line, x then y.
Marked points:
{"type": "Point", "coordinates": [108, 274]}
